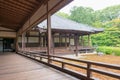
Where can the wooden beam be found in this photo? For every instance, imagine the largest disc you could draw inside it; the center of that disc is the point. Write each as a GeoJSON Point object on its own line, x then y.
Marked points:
{"type": "Point", "coordinates": [31, 2]}
{"type": "Point", "coordinates": [14, 6]}
{"type": "Point", "coordinates": [10, 15]}
{"type": "Point", "coordinates": [11, 10]}
{"type": "Point", "coordinates": [9, 24]}
{"type": "Point", "coordinates": [7, 31]}
{"type": "Point", "coordinates": [26, 2]}
{"type": "Point", "coordinates": [41, 13]}
{"type": "Point", "coordinates": [21, 5]}
{"type": "Point", "coordinates": [8, 27]}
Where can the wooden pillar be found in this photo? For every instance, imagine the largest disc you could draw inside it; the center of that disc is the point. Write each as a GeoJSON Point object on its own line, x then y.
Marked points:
{"type": "Point", "coordinates": [82, 41]}
{"type": "Point", "coordinates": [16, 43]}
{"type": "Point", "coordinates": [39, 40]}
{"type": "Point", "coordinates": [65, 40]}
{"type": "Point", "coordinates": [60, 41]}
{"type": "Point", "coordinates": [44, 40]}
{"type": "Point", "coordinates": [27, 40]}
{"type": "Point", "coordinates": [89, 40]}
{"type": "Point", "coordinates": [69, 41]}
{"type": "Point", "coordinates": [76, 44]}
{"type": "Point", "coordinates": [23, 41]}
{"type": "Point", "coordinates": [49, 33]}
{"type": "Point", "coordinates": [53, 44]}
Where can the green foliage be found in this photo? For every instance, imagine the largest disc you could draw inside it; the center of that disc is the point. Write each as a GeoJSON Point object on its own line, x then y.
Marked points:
{"type": "Point", "coordinates": [109, 50]}
{"type": "Point", "coordinates": [108, 13]}
{"type": "Point", "coordinates": [111, 35]}
{"type": "Point", "coordinates": [108, 18]}
{"type": "Point", "coordinates": [82, 15]}
{"type": "Point", "coordinates": [62, 14]}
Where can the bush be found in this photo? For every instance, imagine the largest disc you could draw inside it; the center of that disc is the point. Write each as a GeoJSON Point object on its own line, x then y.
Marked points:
{"type": "Point", "coordinates": [109, 50]}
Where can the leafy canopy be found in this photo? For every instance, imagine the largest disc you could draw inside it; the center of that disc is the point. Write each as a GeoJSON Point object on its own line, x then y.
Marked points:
{"type": "Point", "coordinates": [108, 18]}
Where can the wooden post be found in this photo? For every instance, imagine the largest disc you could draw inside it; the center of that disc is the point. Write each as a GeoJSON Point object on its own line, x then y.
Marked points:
{"type": "Point", "coordinates": [65, 41]}
{"type": "Point", "coordinates": [82, 42]}
{"type": "Point", "coordinates": [44, 40]}
{"type": "Point", "coordinates": [39, 40]}
{"type": "Point", "coordinates": [88, 71]}
{"type": "Point", "coordinates": [89, 40]}
{"type": "Point", "coordinates": [69, 39]}
{"type": "Point", "coordinates": [53, 44]}
{"type": "Point", "coordinates": [76, 44]}
{"type": "Point", "coordinates": [23, 41]}
{"type": "Point", "coordinates": [49, 33]}
{"type": "Point", "coordinates": [27, 40]}
{"type": "Point", "coordinates": [59, 40]}
{"type": "Point", "coordinates": [16, 43]}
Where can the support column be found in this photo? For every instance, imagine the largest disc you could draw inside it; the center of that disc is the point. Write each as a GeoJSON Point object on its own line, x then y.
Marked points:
{"type": "Point", "coordinates": [49, 33]}
{"type": "Point", "coordinates": [76, 44]}
{"type": "Point", "coordinates": [60, 41]}
{"type": "Point", "coordinates": [39, 40]}
{"type": "Point", "coordinates": [65, 40]}
{"type": "Point", "coordinates": [27, 40]}
{"type": "Point", "coordinates": [69, 39]}
{"type": "Point", "coordinates": [16, 43]}
{"type": "Point", "coordinates": [23, 41]}
{"type": "Point", "coordinates": [43, 41]}
{"type": "Point", "coordinates": [89, 40]}
{"type": "Point", "coordinates": [82, 41]}
{"type": "Point", "coordinates": [53, 44]}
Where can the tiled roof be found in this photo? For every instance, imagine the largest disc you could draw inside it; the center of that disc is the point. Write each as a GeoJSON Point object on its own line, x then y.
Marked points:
{"type": "Point", "coordinates": [58, 22]}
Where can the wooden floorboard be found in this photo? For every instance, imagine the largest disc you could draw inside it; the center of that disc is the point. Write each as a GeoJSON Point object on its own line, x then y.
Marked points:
{"type": "Point", "coordinates": [16, 67]}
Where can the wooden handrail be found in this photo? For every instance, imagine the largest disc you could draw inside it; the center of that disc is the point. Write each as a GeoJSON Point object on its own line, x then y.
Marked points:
{"type": "Point", "coordinates": [90, 62]}
{"type": "Point", "coordinates": [89, 69]}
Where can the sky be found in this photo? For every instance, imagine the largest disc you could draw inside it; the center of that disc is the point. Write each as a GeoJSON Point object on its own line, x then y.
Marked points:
{"type": "Point", "coordinates": [94, 4]}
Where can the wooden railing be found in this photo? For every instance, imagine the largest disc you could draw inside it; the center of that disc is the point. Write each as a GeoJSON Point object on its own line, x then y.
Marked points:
{"type": "Point", "coordinates": [66, 61]}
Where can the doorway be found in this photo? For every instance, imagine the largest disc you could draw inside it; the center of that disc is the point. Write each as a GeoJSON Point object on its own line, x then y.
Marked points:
{"type": "Point", "coordinates": [1, 45]}
{"type": "Point", "coordinates": [7, 44]}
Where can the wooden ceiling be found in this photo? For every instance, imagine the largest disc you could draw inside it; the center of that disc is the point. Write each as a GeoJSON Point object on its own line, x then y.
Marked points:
{"type": "Point", "coordinates": [14, 13]}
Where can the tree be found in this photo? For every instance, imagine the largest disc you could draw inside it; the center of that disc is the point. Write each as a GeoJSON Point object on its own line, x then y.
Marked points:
{"type": "Point", "coordinates": [108, 13]}
{"type": "Point", "coordinates": [108, 18]}
{"type": "Point", "coordinates": [82, 15]}
{"type": "Point", "coordinates": [111, 35]}
{"type": "Point", "coordinates": [62, 14]}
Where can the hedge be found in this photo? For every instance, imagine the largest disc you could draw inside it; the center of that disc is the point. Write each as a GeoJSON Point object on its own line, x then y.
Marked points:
{"type": "Point", "coordinates": [109, 50]}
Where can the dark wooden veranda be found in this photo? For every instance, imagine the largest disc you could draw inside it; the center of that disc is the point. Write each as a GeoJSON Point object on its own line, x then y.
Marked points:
{"type": "Point", "coordinates": [16, 67]}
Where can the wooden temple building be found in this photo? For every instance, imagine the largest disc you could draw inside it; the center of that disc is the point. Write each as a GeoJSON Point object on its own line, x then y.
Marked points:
{"type": "Point", "coordinates": [28, 29]}
{"type": "Point", "coordinates": [67, 36]}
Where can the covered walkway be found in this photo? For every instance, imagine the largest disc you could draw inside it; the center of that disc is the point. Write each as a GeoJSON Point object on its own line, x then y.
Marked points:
{"type": "Point", "coordinates": [16, 67]}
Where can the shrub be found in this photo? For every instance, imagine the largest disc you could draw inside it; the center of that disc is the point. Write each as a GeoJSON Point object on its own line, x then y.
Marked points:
{"type": "Point", "coordinates": [109, 50]}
